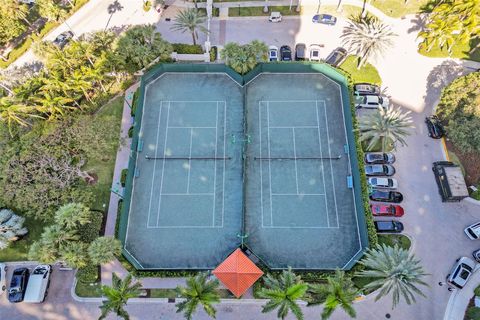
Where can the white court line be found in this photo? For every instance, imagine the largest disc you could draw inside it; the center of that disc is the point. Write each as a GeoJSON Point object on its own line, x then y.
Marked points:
{"type": "Point", "coordinates": [215, 167]}
{"type": "Point", "coordinates": [187, 194]}
{"type": "Point", "coordinates": [184, 227]}
{"type": "Point", "coordinates": [154, 164]}
{"type": "Point", "coordinates": [288, 101]}
{"type": "Point", "coordinates": [163, 163]}
{"type": "Point", "coordinates": [331, 165]}
{"type": "Point", "coordinates": [189, 161]}
{"type": "Point", "coordinates": [131, 255]}
{"type": "Point", "coordinates": [189, 127]}
{"type": "Point", "coordinates": [298, 194]}
{"type": "Point", "coordinates": [224, 156]}
{"type": "Point", "coordinates": [295, 156]}
{"type": "Point", "coordinates": [323, 168]}
{"type": "Point", "coordinates": [269, 164]}
{"type": "Point", "coordinates": [294, 127]}
{"type": "Point", "coordinates": [299, 227]}
{"type": "Point", "coordinates": [261, 162]}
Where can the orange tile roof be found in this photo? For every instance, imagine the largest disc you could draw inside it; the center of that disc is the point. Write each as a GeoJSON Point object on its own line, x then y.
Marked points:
{"type": "Point", "coordinates": [238, 273]}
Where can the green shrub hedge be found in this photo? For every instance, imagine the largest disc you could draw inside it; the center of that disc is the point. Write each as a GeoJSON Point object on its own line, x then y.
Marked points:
{"type": "Point", "coordinates": [123, 176]}
{"type": "Point", "coordinates": [184, 48]}
{"type": "Point", "coordinates": [119, 213]}
{"type": "Point", "coordinates": [134, 103]}
{"type": "Point", "coordinates": [88, 274]}
{"type": "Point", "coordinates": [213, 54]}
{"type": "Point", "coordinates": [130, 132]}
{"type": "Point", "coordinates": [473, 313]}
{"type": "Point", "coordinates": [90, 231]}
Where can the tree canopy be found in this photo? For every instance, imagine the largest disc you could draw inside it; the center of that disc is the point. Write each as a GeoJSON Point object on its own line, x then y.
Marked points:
{"type": "Point", "coordinates": [243, 58]}
{"type": "Point", "coordinates": [459, 110]}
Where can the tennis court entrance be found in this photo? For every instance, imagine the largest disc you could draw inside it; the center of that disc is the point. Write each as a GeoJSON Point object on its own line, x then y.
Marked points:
{"type": "Point", "coordinates": [218, 163]}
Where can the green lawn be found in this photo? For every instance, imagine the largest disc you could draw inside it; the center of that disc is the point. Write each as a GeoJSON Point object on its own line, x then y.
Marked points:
{"type": "Point", "coordinates": [399, 8]}
{"type": "Point", "coordinates": [171, 293]}
{"type": "Point", "coordinates": [367, 73]}
{"type": "Point", "coordinates": [347, 11]}
{"type": "Point", "coordinates": [18, 250]}
{"type": "Point", "coordinates": [258, 11]}
{"type": "Point", "coordinates": [392, 239]}
{"type": "Point", "coordinates": [459, 50]}
{"type": "Point", "coordinates": [86, 290]}
{"type": "Point", "coordinates": [104, 169]}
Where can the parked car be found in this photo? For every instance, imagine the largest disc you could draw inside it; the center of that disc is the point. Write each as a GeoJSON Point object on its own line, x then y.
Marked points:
{"type": "Point", "coordinates": [3, 280]}
{"type": "Point", "coordinates": [387, 183]}
{"type": "Point", "coordinates": [285, 53]}
{"type": "Point", "coordinates": [324, 19]}
{"type": "Point", "coordinates": [435, 128]}
{"type": "Point", "coordinates": [336, 57]}
{"type": "Point", "coordinates": [314, 52]}
{"type": "Point", "coordinates": [386, 210]}
{"type": "Point", "coordinates": [386, 196]}
{"type": "Point", "coordinates": [275, 16]}
{"type": "Point", "coordinates": [38, 284]}
{"type": "Point", "coordinates": [379, 158]}
{"type": "Point", "coordinates": [366, 89]}
{"type": "Point", "coordinates": [18, 284]}
{"type": "Point", "coordinates": [300, 51]}
{"type": "Point", "coordinates": [461, 272]}
{"type": "Point", "coordinates": [388, 226]}
{"type": "Point", "coordinates": [379, 170]}
{"type": "Point", "coordinates": [63, 38]}
{"type": "Point", "coordinates": [473, 231]}
{"type": "Point", "coordinates": [476, 255]}
{"type": "Point", "coordinates": [273, 53]}
{"type": "Point", "coordinates": [371, 102]}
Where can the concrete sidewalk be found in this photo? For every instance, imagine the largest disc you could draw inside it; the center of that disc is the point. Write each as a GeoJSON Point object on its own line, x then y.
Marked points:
{"type": "Point", "coordinates": [458, 302]}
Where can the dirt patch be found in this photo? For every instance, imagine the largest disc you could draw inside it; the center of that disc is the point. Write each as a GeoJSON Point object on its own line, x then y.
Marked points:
{"type": "Point", "coordinates": [470, 162]}
{"type": "Point", "coordinates": [93, 180]}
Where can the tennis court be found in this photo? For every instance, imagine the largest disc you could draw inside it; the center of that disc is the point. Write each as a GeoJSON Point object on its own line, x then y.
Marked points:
{"type": "Point", "coordinates": [300, 211]}
{"type": "Point", "coordinates": [217, 162]}
{"type": "Point", "coordinates": [187, 197]}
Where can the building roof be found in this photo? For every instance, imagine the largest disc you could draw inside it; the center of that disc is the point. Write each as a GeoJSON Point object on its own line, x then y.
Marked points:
{"type": "Point", "coordinates": [237, 273]}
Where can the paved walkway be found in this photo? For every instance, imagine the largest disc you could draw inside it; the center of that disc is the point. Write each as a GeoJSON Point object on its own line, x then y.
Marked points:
{"type": "Point", "coordinates": [458, 302]}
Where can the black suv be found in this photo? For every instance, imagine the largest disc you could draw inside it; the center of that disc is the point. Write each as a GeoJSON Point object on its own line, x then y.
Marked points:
{"type": "Point", "coordinates": [386, 196]}
{"type": "Point", "coordinates": [435, 128]}
{"type": "Point", "coordinates": [336, 57]}
{"type": "Point", "coordinates": [388, 226]}
{"type": "Point", "coordinates": [285, 53]}
{"type": "Point", "coordinates": [18, 284]}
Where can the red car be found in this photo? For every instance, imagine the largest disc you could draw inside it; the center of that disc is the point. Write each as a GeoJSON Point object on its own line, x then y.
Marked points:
{"type": "Point", "coordinates": [387, 210]}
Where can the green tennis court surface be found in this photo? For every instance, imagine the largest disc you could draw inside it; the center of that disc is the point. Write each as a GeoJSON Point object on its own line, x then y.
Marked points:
{"type": "Point", "coordinates": [267, 162]}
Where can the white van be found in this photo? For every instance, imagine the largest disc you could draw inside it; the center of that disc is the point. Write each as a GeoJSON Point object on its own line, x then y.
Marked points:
{"type": "Point", "coordinates": [38, 284]}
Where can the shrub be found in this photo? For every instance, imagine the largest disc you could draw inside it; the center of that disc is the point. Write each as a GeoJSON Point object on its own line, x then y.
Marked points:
{"type": "Point", "coordinates": [213, 54]}
{"type": "Point", "coordinates": [477, 291]}
{"type": "Point", "coordinates": [184, 48]}
{"type": "Point", "coordinates": [473, 313]}
{"type": "Point", "coordinates": [147, 5]}
{"type": "Point", "coordinates": [134, 104]}
{"type": "Point", "coordinates": [130, 132]}
{"type": "Point", "coordinates": [90, 231]}
{"type": "Point", "coordinates": [87, 274]}
{"type": "Point", "coordinates": [123, 177]}
{"type": "Point", "coordinates": [119, 213]}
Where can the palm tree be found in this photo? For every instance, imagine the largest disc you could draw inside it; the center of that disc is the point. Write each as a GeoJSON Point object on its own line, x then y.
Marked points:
{"type": "Point", "coordinates": [367, 38]}
{"type": "Point", "coordinates": [338, 292]}
{"type": "Point", "coordinates": [58, 237]}
{"type": "Point", "coordinates": [104, 249]}
{"type": "Point", "coordinates": [242, 59]}
{"type": "Point", "coordinates": [72, 215]}
{"type": "Point", "coordinates": [438, 33]}
{"type": "Point", "coordinates": [52, 105]}
{"type": "Point", "coordinates": [395, 271]}
{"type": "Point", "coordinates": [15, 9]}
{"type": "Point", "coordinates": [16, 113]}
{"type": "Point", "coordinates": [190, 20]}
{"type": "Point", "coordinates": [199, 290]}
{"type": "Point", "coordinates": [283, 294]}
{"type": "Point", "coordinates": [259, 49]}
{"type": "Point", "coordinates": [117, 296]}
{"type": "Point", "coordinates": [386, 126]}
{"type": "Point", "coordinates": [74, 254]}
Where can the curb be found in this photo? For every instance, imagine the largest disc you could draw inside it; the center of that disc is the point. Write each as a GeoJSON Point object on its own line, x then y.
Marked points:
{"type": "Point", "coordinates": [81, 299]}
{"type": "Point", "coordinates": [471, 200]}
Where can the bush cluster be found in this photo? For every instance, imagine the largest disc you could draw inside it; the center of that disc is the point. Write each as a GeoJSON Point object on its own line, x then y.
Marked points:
{"type": "Point", "coordinates": [88, 274]}
{"type": "Point", "coordinates": [134, 103]}
{"type": "Point", "coordinates": [123, 177]}
{"type": "Point", "coordinates": [213, 53]}
{"type": "Point", "coordinates": [130, 132]}
{"type": "Point", "coordinates": [91, 231]}
{"type": "Point", "coordinates": [184, 48]}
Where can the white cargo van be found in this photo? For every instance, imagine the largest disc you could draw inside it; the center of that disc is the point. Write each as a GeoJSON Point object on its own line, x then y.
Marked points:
{"type": "Point", "coordinates": [38, 284]}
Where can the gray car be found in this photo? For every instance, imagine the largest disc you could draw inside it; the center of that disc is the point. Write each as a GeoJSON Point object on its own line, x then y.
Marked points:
{"type": "Point", "coordinates": [380, 170]}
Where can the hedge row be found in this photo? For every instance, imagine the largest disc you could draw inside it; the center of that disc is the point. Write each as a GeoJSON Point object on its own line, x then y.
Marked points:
{"type": "Point", "coordinates": [123, 177]}
{"type": "Point", "coordinates": [88, 274]}
{"type": "Point", "coordinates": [184, 48]}
{"type": "Point", "coordinates": [134, 103]}
{"type": "Point", "coordinates": [213, 54]}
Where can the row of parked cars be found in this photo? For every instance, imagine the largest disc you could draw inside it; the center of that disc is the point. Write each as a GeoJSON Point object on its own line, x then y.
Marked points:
{"type": "Point", "coordinates": [383, 196]}
{"type": "Point", "coordinates": [25, 286]}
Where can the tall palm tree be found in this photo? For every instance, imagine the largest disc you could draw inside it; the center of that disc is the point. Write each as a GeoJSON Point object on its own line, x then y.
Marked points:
{"type": "Point", "coordinates": [72, 215]}
{"type": "Point", "coordinates": [16, 113]}
{"type": "Point", "coordinates": [52, 105]}
{"type": "Point", "coordinates": [368, 38]}
{"type": "Point", "coordinates": [386, 126]}
{"type": "Point", "coordinates": [283, 293]}
{"type": "Point", "coordinates": [338, 292]}
{"type": "Point", "coordinates": [395, 271]}
{"type": "Point", "coordinates": [104, 249]}
{"type": "Point", "coordinates": [259, 49]}
{"type": "Point", "coordinates": [190, 20]}
{"type": "Point", "coordinates": [199, 290]}
{"type": "Point", "coordinates": [242, 59]}
{"type": "Point", "coordinates": [15, 9]}
{"type": "Point", "coordinates": [117, 296]}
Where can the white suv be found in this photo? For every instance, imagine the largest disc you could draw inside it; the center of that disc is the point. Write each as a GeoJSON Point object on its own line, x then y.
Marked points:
{"type": "Point", "coordinates": [473, 231]}
{"type": "Point", "coordinates": [461, 272]}
{"type": "Point", "coordinates": [371, 102]}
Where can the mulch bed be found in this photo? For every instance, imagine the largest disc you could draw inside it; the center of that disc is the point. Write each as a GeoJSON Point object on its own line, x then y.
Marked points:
{"type": "Point", "coordinates": [471, 163]}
